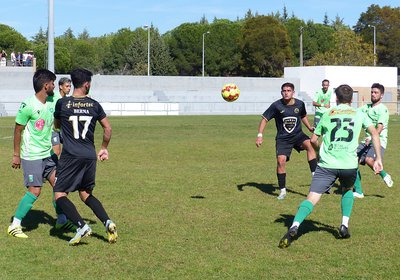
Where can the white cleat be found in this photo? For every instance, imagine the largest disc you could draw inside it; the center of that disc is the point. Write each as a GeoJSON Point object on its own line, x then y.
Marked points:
{"type": "Point", "coordinates": [358, 195]}
{"type": "Point", "coordinates": [282, 195]}
{"type": "Point", "coordinates": [388, 180]}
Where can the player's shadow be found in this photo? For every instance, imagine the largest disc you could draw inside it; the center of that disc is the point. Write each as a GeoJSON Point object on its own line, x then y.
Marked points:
{"type": "Point", "coordinates": [308, 226]}
{"type": "Point", "coordinates": [269, 189]}
{"type": "Point", "coordinates": [36, 217]}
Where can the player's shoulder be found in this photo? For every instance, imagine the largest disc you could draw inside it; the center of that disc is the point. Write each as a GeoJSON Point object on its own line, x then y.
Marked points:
{"type": "Point", "coordinates": [298, 101]}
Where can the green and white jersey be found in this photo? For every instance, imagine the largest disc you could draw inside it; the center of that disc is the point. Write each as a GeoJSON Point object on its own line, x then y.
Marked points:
{"type": "Point", "coordinates": [340, 128]}
{"type": "Point", "coordinates": [323, 99]}
{"type": "Point", "coordinates": [38, 120]}
{"type": "Point", "coordinates": [379, 114]}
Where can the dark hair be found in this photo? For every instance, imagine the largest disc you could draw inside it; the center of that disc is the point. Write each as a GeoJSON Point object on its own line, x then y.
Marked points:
{"type": "Point", "coordinates": [379, 86]}
{"type": "Point", "coordinates": [344, 93]}
{"type": "Point", "coordinates": [80, 76]}
{"type": "Point", "coordinates": [287, 85]}
{"type": "Point", "coordinates": [325, 80]}
{"type": "Point", "coordinates": [64, 80]}
{"type": "Point", "coordinates": [41, 77]}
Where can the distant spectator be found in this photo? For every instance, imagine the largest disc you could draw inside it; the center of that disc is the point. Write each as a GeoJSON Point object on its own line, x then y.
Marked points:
{"type": "Point", "coordinates": [3, 58]}
{"type": "Point", "coordinates": [28, 60]}
{"type": "Point", "coordinates": [13, 58]}
{"type": "Point", "coordinates": [19, 59]}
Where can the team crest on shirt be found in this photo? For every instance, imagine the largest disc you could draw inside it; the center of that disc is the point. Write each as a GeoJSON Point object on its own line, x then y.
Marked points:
{"type": "Point", "coordinates": [39, 124]}
{"type": "Point", "coordinates": [289, 123]}
{"type": "Point", "coordinates": [296, 110]}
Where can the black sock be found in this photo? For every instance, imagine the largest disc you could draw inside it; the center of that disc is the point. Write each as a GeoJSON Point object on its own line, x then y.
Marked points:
{"type": "Point", "coordinates": [70, 211]}
{"type": "Point", "coordinates": [313, 164]}
{"type": "Point", "coordinates": [97, 208]}
{"type": "Point", "coordinates": [281, 180]}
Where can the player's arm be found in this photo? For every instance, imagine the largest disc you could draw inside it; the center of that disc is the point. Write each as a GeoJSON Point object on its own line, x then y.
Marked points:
{"type": "Point", "coordinates": [378, 166]}
{"type": "Point", "coordinates": [261, 127]}
{"type": "Point", "coordinates": [304, 120]}
{"type": "Point", "coordinates": [315, 104]}
{"type": "Point", "coordinates": [16, 161]}
{"type": "Point", "coordinates": [379, 128]}
{"type": "Point", "coordinates": [103, 153]}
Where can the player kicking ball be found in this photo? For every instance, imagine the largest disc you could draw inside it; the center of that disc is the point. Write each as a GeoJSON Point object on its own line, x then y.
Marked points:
{"type": "Point", "coordinates": [340, 128]}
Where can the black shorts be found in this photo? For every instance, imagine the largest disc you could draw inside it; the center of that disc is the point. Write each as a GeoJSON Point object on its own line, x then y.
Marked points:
{"type": "Point", "coordinates": [75, 174]}
{"type": "Point", "coordinates": [285, 146]}
{"type": "Point", "coordinates": [324, 178]}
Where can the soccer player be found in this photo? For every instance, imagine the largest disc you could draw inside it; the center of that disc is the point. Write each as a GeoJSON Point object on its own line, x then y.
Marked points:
{"type": "Point", "coordinates": [64, 87]}
{"type": "Point", "coordinates": [77, 116]}
{"type": "Point", "coordinates": [321, 101]}
{"type": "Point", "coordinates": [379, 115]}
{"type": "Point", "coordinates": [288, 112]}
{"type": "Point", "coordinates": [32, 147]}
{"type": "Point", "coordinates": [340, 128]}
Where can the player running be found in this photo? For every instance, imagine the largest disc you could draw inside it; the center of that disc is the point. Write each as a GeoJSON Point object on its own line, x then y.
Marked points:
{"type": "Point", "coordinates": [340, 128]}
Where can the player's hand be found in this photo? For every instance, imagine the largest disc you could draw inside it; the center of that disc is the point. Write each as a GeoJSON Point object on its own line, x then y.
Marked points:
{"type": "Point", "coordinates": [311, 129]}
{"type": "Point", "coordinates": [16, 162]}
{"type": "Point", "coordinates": [102, 155]}
{"type": "Point", "coordinates": [378, 166]}
{"type": "Point", "coordinates": [259, 141]}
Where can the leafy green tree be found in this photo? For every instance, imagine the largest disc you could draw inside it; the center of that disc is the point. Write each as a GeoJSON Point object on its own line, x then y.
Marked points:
{"type": "Point", "coordinates": [83, 55]}
{"type": "Point", "coordinates": [40, 37]}
{"type": "Point", "coordinates": [265, 47]}
{"type": "Point", "coordinates": [387, 23]}
{"type": "Point", "coordinates": [84, 35]}
{"type": "Point", "coordinates": [68, 34]}
{"type": "Point", "coordinates": [11, 40]}
{"type": "Point", "coordinates": [349, 50]}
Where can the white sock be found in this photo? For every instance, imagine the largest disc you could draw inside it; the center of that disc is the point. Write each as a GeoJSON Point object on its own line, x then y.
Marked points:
{"type": "Point", "coordinates": [295, 224]}
{"type": "Point", "coordinates": [283, 190]}
{"type": "Point", "coordinates": [345, 221]}
{"type": "Point", "coordinates": [16, 222]}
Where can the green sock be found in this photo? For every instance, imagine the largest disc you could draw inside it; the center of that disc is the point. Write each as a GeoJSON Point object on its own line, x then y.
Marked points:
{"type": "Point", "coordinates": [347, 202]}
{"type": "Point", "coordinates": [305, 208]}
{"type": "Point", "coordinates": [382, 174]}
{"type": "Point", "coordinates": [57, 208]}
{"type": "Point", "coordinates": [25, 205]}
{"type": "Point", "coordinates": [357, 183]}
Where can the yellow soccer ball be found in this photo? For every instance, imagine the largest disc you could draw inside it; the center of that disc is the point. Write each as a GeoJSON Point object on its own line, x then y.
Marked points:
{"type": "Point", "coordinates": [230, 92]}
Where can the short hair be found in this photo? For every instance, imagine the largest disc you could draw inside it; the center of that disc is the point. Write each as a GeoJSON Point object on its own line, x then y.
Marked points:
{"type": "Point", "coordinates": [80, 76]}
{"type": "Point", "coordinates": [41, 77]}
{"type": "Point", "coordinates": [379, 86]}
{"type": "Point", "coordinates": [325, 80]}
{"type": "Point", "coordinates": [63, 81]}
{"type": "Point", "coordinates": [344, 93]}
{"type": "Point", "coordinates": [288, 85]}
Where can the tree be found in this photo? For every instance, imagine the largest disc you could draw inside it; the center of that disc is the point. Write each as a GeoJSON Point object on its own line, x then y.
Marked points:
{"type": "Point", "coordinates": [40, 37]}
{"type": "Point", "coordinates": [84, 35]}
{"type": "Point", "coordinates": [349, 50]}
{"type": "Point", "coordinates": [265, 47]}
{"type": "Point", "coordinates": [68, 34]}
{"type": "Point", "coordinates": [11, 40]}
{"type": "Point", "coordinates": [387, 23]}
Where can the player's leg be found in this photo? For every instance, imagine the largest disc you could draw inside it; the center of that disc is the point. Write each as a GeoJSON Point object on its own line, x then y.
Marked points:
{"type": "Point", "coordinates": [33, 180]}
{"type": "Point", "coordinates": [347, 178]}
{"type": "Point", "coordinates": [93, 203]}
{"type": "Point", "coordinates": [370, 158]}
{"type": "Point", "coordinates": [311, 154]}
{"type": "Point", "coordinates": [321, 182]}
{"type": "Point", "coordinates": [50, 174]}
{"type": "Point", "coordinates": [362, 151]}
{"type": "Point", "coordinates": [281, 175]}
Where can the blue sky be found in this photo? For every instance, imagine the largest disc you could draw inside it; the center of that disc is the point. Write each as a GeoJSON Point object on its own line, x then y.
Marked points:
{"type": "Point", "coordinates": [103, 17]}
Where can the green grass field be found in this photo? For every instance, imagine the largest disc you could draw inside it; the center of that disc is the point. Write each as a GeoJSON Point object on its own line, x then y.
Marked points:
{"type": "Point", "coordinates": [193, 198]}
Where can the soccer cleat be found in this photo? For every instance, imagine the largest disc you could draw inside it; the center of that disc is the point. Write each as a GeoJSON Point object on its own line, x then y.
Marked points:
{"type": "Point", "coordinates": [111, 231]}
{"type": "Point", "coordinates": [68, 225]}
{"type": "Point", "coordinates": [358, 195]}
{"type": "Point", "coordinates": [80, 233]}
{"type": "Point", "coordinates": [344, 231]}
{"type": "Point", "coordinates": [388, 180]}
{"type": "Point", "coordinates": [282, 195]}
{"type": "Point", "coordinates": [288, 237]}
{"type": "Point", "coordinates": [16, 232]}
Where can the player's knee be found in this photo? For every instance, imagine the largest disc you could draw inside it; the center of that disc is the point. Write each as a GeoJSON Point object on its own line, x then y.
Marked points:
{"type": "Point", "coordinates": [35, 191]}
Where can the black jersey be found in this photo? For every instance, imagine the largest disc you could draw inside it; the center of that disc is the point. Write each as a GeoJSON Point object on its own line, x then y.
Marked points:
{"type": "Point", "coordinates": [287, 117]}
{"type": "Point", "coordinates": [78, 117]}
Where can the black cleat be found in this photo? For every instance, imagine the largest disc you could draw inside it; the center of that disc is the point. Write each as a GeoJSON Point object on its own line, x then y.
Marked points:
{"type": "Point", "coordinates": [344, 231]}
{"type": "Point", "coordinates": [288, 237]}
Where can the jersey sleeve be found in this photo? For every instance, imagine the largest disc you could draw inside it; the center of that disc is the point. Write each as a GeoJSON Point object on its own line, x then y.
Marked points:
{"type": "Point", "coordinates": [101, 112]}
{"type": "Point", "coordinates": [24, 114]}
{"type": "Point", "coordinates": [270, 112]}
{"type": "Point", "coordinates": [57, 110]}
{"type": "Point", "coordinates": [383, 116]}
{"type": "Point", "coordinates": [303, 111]}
